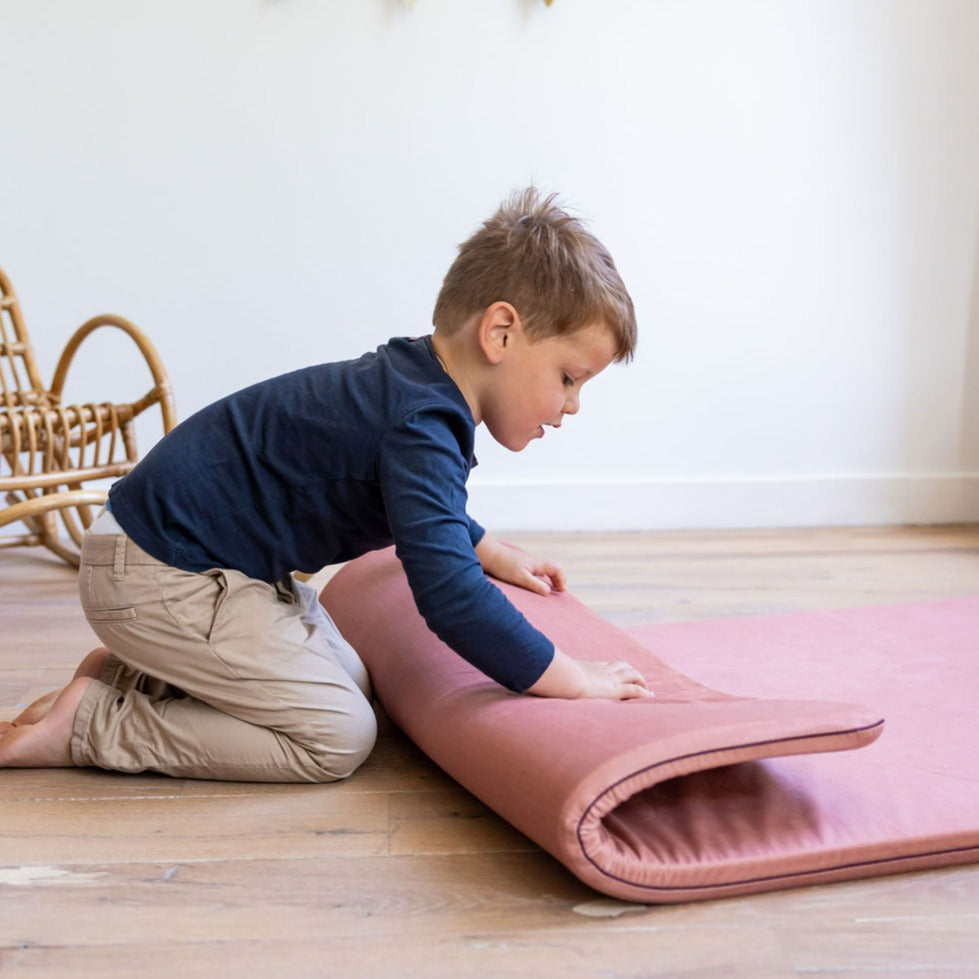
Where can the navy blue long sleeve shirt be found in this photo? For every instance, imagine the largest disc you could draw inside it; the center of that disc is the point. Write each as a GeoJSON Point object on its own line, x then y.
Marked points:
{"type": "Point", "coordinates": [323, 464]}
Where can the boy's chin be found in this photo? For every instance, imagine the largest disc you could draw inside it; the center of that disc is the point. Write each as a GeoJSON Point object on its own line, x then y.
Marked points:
{"type": "Point", "coordinates": [513, 446]}
{"type": "Point", "coordinates": [539, 434]}
{"type": "Point", "coordinates": [517, 443]}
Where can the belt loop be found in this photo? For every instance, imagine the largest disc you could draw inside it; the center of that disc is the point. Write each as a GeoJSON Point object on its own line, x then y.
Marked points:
{"type": "Point", "coordinates": [119, 562]}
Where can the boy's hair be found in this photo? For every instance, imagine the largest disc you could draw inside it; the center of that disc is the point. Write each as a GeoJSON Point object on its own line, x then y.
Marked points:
{"type": "Point", "coordinates": [557, 275]}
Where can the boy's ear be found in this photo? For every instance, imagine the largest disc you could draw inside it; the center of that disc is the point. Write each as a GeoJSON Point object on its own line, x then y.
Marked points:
{"type": "Point", "coordinates": [497, 327]}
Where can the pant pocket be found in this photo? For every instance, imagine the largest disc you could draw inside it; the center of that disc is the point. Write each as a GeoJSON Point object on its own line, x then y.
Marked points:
{"type": "Point", "coordinates": [111, 614]}
{"type": "Point", "coordinates": [194, 600]}
{"type": "Point", "coordinates": [103, 598]}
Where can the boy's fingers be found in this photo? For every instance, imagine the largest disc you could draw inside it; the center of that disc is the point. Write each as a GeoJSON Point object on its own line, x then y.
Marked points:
{"type": "Point", "coordinates": [553, 574]}
{"type": "Point", "coordinates": [525, 578]}
{"type": "Point", "coordinates": [538, 585]}
{"type": "Point", "coordinates": [636, 691]}
{"type": "Point", "coordinates": [634, 684]}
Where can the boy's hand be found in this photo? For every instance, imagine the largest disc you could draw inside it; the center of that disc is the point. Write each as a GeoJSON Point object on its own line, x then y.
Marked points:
{"type": "Point", "coordinates": [517, 567]}
{"type": "Point", "coordinates": [573, 678]}
{"type": "Point", "coordinates": [565, 677]}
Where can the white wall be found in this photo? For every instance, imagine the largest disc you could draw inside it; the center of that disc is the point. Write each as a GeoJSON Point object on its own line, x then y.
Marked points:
{"type": "Point", "coordinates": [790, 188]}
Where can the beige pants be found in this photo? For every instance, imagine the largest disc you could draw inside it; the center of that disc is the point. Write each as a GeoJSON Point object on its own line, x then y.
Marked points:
{"type": "Point", "coordinates": [215, 675]}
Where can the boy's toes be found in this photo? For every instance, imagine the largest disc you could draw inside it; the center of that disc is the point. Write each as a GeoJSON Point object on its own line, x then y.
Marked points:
{"type": "Point", "coordinates": [37, 711]}
{"type": "Point", "coordinates": [46, 744]}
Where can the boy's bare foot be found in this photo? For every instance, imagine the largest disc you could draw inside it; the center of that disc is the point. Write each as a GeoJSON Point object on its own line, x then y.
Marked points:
{"type": "Point", "coordinates": [46, 744]}
{"type": "Point", "coordinates": [90, 666]}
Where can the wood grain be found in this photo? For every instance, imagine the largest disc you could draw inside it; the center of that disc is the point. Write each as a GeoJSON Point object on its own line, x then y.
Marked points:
{"type": "Point", "coordinates": [398, 871]}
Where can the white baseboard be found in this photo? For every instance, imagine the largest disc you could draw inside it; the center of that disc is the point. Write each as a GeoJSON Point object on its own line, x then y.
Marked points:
{"type": "Point", "coordinates": [727, 502]}
{"type": "Point", "coordinates": [716, 503]}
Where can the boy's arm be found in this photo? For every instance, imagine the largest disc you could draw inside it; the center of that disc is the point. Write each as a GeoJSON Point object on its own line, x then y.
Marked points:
{"type": "Point", "coordinates": [565, 677]}
{"type": "Point", "coordinates": [422, 471]}
{"type": "Point", "coordinates": [516, 567]}
{"type": "Point", "coordinates": [422, 478]}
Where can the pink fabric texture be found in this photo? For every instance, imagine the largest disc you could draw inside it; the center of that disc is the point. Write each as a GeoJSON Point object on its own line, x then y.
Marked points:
{"type": "Point", "coordinates": [911, 800]}
{"type": "Point", "coordinates": [690, 796]}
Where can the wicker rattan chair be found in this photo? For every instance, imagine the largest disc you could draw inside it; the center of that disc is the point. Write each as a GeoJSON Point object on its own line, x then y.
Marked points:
{"type": "Point", "coordinates": [49, 451]}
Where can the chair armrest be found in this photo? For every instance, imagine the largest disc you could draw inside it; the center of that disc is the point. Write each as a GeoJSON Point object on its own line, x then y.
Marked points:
{"type": "Point", "coordinates": [161, 393]}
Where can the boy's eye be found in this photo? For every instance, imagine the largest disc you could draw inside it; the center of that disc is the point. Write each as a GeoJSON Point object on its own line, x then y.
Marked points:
{"type": "Point", "coordinates": [568, 381]}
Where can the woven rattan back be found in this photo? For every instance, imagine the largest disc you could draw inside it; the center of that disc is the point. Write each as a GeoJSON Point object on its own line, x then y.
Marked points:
{"type": "Point", "coordinates": [50, 452]}
{"type": "Point", "coordinates": [20, 382]}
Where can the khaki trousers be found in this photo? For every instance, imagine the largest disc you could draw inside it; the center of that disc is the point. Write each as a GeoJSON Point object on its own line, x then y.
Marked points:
{"type": "Point", "coordinates": [215, 675]}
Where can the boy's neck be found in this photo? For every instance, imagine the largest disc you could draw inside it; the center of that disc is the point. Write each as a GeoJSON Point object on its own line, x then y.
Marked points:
{"type": "Point", "coordinates": [453, 353]}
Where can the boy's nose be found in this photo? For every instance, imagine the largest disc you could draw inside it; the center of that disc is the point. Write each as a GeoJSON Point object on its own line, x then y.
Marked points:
{"type": "Point", "coordinates": [571, 405]}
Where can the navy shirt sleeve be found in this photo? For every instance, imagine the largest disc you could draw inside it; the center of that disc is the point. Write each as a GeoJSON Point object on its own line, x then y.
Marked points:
{"type": "Point", "coordinates": [422, 476]}
{"type": "Point", "coordinates": [475, 532]}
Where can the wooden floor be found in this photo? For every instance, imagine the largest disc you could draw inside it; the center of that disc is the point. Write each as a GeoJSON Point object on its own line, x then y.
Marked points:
{"type": "Point", "coordinates": [397, 872]}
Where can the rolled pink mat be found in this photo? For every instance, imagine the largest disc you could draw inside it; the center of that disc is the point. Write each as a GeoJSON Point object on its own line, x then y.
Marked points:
{"type": "Point", "coordinates": [683, 797]}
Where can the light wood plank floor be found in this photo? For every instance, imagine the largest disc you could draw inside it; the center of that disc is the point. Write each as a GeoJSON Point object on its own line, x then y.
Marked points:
{"type": "Point", "coordinates": [398, 872]}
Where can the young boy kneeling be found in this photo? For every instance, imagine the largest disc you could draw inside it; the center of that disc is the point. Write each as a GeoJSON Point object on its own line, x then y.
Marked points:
{"type": "Point", "coordinates": [216, 662]}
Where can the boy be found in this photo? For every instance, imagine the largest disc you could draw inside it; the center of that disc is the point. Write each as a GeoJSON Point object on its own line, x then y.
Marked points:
{"type": "Point", "coordinates": [216, 662]}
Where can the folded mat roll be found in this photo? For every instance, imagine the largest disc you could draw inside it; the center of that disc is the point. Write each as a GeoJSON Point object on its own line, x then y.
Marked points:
{"type": "Point", "coordinates": [652, 800]}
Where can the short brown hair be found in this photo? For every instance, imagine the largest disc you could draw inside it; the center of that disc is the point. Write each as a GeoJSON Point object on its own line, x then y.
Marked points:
{"type": "Point", "coordinates": [558, 276]}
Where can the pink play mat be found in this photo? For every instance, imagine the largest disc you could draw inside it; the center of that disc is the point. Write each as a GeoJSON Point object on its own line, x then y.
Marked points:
{"type": "Point", "coordinates": [701, 794]}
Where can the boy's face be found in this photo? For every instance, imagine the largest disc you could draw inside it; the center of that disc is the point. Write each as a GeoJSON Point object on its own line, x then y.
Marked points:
{"type": "Point", "coordinates": [538, 382]}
